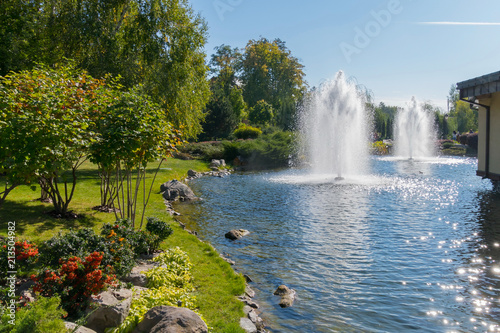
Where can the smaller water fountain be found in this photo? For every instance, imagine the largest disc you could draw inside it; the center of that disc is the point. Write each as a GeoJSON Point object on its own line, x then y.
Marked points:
{"type": "Point", "coordinates": [414, 132]}
{"type": "Point", "coordinates": [335, 131]}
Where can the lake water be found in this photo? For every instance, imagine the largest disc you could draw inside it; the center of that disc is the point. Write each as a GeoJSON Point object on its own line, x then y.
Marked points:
{"type": "Point", "coordinates": [413, 247]}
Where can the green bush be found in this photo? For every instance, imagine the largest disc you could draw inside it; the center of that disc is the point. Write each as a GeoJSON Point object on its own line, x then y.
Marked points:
{"type": "Point", "coordinates": [247, 132]}
{"type": "Point", "coordinates": [204, 150]}
{"type": "Point", "coordinates": [158, 228]}
{"type": "Point", "coordinates": [42, 316]}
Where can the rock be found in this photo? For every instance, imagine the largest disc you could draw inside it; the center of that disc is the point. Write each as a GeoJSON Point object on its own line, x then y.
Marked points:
{"type": "Point", "coordinates": [175, 190]}
{"type": "Point", "coordinates": [254, 317]}
{"type": "Point", "coordinates": [247, 325]}
{"type": "Point", "coordinates": [193, 174]}
{"type": "Point", "coordinates": [236, 234]}
{"type": "Point", "coordinates": [110, 311]}
{"type": "Point", "coordinates": [287, 296]}
{"type": "Point", "coordinates": [248, 279]}
{"type": "Point", "coordinates": [249, 291]}
{"type": "Point", "coordinates": [136, 277]}
{"type": "Point", "coordinates": [216, 164]}
{"type": "Point", "coordinates": [169, 319]}
{"type": "Point", "coordinates": [81, 329]}
{"type": "Point", "coordinates": [248, 302]}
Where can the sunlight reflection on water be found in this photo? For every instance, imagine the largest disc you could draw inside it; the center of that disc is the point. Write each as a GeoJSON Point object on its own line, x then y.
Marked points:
{"type": "Point", "coordinates": [415, 246]}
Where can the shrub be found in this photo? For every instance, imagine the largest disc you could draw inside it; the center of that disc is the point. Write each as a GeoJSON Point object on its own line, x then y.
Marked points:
{"type": "Point", "coordinates": [380, 148]}
{"type": "Point", "coordinates": [117, 244]}
{"type": "Point", "coordinates": [75, 281]}
{"type": "Point", "coordinates": [204, 150]}
{"type": "Point", "coordinates": [159, 228]}
{"type": "Point", "coordinates": [247, 132]}
{"type": "Point", "coordinates": [25, 255]}
{"type": "Point", "coordinates": [78, 243]}
{"type": "Point", "coordinates": [42, 316]}
{"type": "Point", "coordinates": [170, 284]}
{"type": "Point", "coordinates": [472, 140]}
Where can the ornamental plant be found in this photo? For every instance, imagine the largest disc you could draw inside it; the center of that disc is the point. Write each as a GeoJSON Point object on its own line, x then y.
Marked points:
{"type": "Point", "coordinates": [170, 284]}
{"type": "Point", "coordinates": [158, 228]}
{"type": "Point", "coordinates": [45, 117]}
{"type": "Point", "coordinates": [75, 281]}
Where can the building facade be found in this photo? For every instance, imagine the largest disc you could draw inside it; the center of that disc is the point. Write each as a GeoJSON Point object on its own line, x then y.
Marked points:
{"type": "Point", "coordinates": [484, 93]}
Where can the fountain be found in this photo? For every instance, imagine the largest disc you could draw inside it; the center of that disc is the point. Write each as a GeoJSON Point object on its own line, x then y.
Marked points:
{"type": "Point", "coordinates": [335, 131]}
{"type": "Point", "coordinates": [414, 132]}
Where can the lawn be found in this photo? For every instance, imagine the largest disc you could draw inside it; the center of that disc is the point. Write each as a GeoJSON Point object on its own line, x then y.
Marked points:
{"type": "Point", "coordinates": [216, 282]}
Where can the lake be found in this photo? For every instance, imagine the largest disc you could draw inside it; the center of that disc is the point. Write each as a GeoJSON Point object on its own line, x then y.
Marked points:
{"type": "Point", "coordinates": [411, 247]}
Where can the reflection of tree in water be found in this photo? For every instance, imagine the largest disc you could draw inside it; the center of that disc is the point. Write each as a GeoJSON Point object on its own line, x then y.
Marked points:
{"type": "Point", "coordinates": [488, 257]}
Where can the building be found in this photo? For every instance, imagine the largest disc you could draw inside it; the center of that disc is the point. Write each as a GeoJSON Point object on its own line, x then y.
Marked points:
{"type": "Point", "coordinates": [484, 92]}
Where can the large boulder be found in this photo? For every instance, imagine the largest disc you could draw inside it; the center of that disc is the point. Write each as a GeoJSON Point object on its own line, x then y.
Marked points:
{"type": "Point", "coordinates": [108, 309]}
{"type": "Point", "coordinates": [175, 190]}
{"type": "Point", "coordinates": [169, 319]}
{"type": "Point", "coordinates": [217, 164]}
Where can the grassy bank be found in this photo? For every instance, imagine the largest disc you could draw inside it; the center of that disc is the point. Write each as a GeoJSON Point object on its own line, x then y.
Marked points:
{"type": "Point", "coordinates": [215, 281]}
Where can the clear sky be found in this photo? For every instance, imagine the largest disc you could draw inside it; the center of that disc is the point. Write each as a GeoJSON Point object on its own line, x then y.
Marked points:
{"type": "Point", "coordinates": [396, 48]}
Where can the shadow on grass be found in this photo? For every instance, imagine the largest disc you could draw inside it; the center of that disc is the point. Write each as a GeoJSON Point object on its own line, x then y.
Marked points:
{"type": "Point", "coordinates": [32, 218]}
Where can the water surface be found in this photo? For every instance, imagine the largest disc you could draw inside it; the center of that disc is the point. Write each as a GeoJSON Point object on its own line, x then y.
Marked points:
{"type": "Point", "coordinates": [414, 247]}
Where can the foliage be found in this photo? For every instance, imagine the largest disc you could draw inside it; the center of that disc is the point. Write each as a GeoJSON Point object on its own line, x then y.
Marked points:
{"type": "Point", "coordinates": [130, 134]}
{"type": "Point", "coordinates": [158, 228]}
{"type": "Point", "coordinates": [75, 281]}
{"type": "Point", "coordinates": [204, 150]}
{"type": "Point", "coordinates": [269, 151]}
{"type": "Point", "coordinates": [170, 284]}
{"type": "Point", "coordinates": [245, 131]}
{"type": "Point", "coordinates": [156, 43]}
{"type": "Point", "coordinates": [226, 107]}
{"type": "Point", "coordinates": [261, 114]}
{"type": "Point", "coordinates": [269, 72]}
{"type": "Point", "coordinates": [78, 243]}
{"type": "Point", "coordinates": [44, 127]}
{"type": "Point", "coordinates": [119, 243]}
{"type": "Point", "coordinates": [25, 255]}
{"type": "Point", "coordinates": [380, 148]}
{"type": "Point", "coordinates": [42, 316]}
{"type": "Point", "coordinates": [466, 117]}
{"type": "Point", "coordinates": [472, 140]}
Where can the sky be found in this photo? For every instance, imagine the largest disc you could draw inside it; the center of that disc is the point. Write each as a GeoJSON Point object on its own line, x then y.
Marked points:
{"type": "Point", "coordinates": [395, 48]}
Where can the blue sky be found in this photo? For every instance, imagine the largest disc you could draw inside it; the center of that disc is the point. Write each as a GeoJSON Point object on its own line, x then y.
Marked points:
{"type": "Point", "coordinates": [396, 48]}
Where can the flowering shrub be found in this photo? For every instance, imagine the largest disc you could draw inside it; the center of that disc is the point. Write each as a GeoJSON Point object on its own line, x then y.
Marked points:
{"type": "Point", "coordinates": [24, 250]}
{"type": "Point", "coordinates": [75, 281]}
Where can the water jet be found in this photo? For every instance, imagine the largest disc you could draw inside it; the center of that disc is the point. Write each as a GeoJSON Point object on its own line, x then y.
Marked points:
{"type": "Point", "coordinates": [334, 129]}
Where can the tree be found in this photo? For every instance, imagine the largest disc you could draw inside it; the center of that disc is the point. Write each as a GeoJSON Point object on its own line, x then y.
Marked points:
{"type": "Point", "coordinates": [226, 106]}
{"type": "Point", "coordinates": [157, 43]}
{"type": "Point", "coordinates": [46, 114]}
{"type": "Point", "coordinates": [261, 113]}
{"type": "Point", "coordinates": [269, 72]}
{"type": "Point", "coordinates": [466, 118]}
{"type": "Point", "coordinates": [130, 133]}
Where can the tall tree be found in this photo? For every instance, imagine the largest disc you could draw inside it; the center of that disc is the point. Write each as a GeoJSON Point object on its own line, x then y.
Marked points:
{"type": "Point", "coordinates": [226, 106]}
{"type": "Point", "coordinates": [157, 43]}
{"type": "Point", "coordinates": [269, 72]}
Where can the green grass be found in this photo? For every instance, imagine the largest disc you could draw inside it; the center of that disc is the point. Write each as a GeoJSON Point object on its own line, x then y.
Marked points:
{"type": "Point", "coordinates": [216, 282]}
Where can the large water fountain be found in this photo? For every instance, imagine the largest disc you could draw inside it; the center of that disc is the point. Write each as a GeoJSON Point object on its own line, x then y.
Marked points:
{"type": "Point", "coordinates": [335, 129]}
{"type": "Point", "coordinates": [414, 132]}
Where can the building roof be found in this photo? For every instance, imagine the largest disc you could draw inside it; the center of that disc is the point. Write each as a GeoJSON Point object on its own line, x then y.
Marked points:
{"type": "Point", "coordinates": [482, 85]}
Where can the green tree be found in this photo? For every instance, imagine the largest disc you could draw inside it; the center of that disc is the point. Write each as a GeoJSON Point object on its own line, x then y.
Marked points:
{"type": "Point", "coordinates": [226, 106]}
{"type": "Point", "coordinates": [261, 114]}
{"type": "Point", "coordinates": [269, 72]}
{"type": "Point", "coordinates": [466, 117]}
{"type": "Point", "coordinates": [157, 43]}
{"type": "Point", "coordinates": [44, 121]}
{"type": "Point", "coordinates": [130, 133]}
